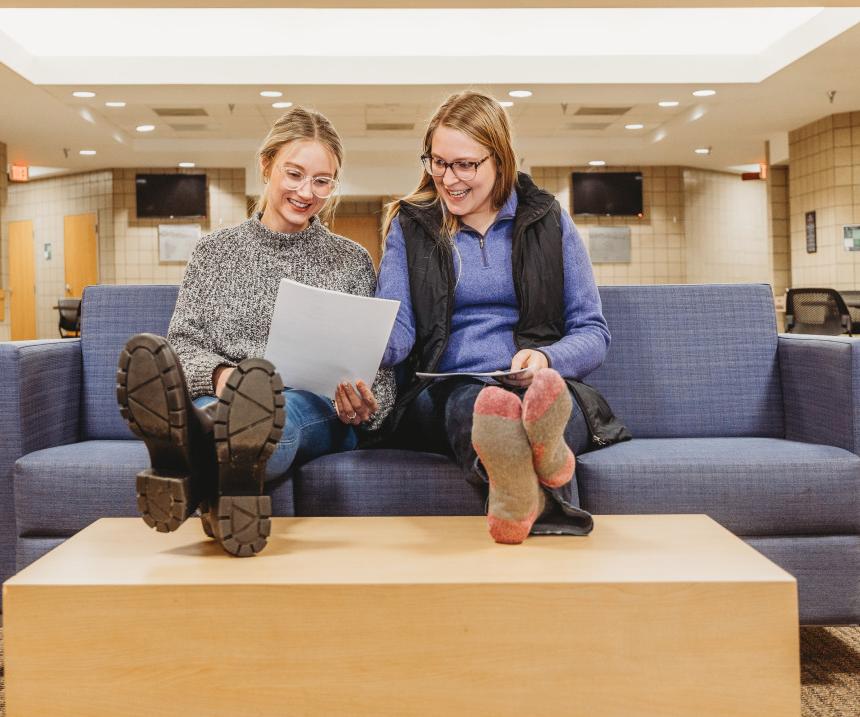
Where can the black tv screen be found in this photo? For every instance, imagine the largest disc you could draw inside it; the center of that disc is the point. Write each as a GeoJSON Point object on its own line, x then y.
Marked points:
{"type": "Point", "coordinates": [607, 193]}
{"type": "Point", "coordinates": [171, 195]}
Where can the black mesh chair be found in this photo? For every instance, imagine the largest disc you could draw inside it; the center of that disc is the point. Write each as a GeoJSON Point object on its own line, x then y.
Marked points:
{"type": "Point", "coordinates": [816, 311]}
{"type": "Point", "coordinates": [70, 317]}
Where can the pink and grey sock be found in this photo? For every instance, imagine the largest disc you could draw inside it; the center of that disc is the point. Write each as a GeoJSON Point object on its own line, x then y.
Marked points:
{"type": "Point", "coordinates": [516, 499]}
{"type": "Point", "coordinates": [546, 411]}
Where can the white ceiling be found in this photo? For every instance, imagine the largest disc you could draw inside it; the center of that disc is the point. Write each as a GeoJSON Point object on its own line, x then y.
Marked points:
{"type": "Point", "coordinates": [773, 75]}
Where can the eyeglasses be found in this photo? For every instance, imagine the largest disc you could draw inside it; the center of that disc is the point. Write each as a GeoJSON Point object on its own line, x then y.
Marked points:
{"type": "Point", "coordinates": [462, 169]}
{"type": "Point", "coordinates": [322, 187]}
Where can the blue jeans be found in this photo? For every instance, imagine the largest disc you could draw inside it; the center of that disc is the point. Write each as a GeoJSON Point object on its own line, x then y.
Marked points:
{"type": "Point", "coordinates": [311, 429]}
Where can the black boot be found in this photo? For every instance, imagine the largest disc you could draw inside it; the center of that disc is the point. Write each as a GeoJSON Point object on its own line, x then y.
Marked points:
{"type": "Point", "coordinates": [249, 421]}
{"type": "Point", "coordinates": [154, 401]}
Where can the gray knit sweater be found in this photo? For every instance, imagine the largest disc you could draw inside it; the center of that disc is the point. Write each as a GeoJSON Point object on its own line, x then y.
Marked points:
{"type": "Point", "coordinates": [228, 295]}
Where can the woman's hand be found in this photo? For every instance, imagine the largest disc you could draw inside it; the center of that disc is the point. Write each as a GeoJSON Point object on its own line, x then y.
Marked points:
{"type": "Point", "coordinates": [527, 358]}
{"type": "Point", "coordinates": [222, 373]}
{"type": "Point", "coordinates": [354, 407]}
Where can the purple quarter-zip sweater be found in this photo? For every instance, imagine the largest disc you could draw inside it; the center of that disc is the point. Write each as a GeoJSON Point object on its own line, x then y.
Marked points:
{"type": "Point", "coordinates": [485, 303]}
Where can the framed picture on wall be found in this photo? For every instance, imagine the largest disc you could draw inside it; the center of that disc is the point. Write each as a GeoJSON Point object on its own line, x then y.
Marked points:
{"type": "Point", "coordinates": [176, 242]}
{"type": "Point", "coordinates": [811, 239]}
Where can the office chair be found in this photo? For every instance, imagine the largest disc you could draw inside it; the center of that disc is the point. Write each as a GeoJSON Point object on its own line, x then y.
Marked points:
{"type": "Point", "coordinates": [816, 311]}
{"type": "Point", "coordinates": [70, 317]}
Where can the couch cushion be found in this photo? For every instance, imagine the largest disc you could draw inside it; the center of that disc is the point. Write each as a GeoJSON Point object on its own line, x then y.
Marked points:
{"type": "Point", "coordinates": [692, 360]}
{"type": "Point", "coordinates": [61, 490]}
{"type": "Point", "coordinates": [384, 482]}
{"type": "Point", "coordinates": [110, 315]}
{"type": "Point", "coordinates": [753, 486]}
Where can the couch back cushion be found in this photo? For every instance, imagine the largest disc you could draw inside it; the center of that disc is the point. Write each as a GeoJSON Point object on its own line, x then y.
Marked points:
{"type": "Point", "coordinates": [110, 315]}
{"type": "Point", "coordinates": [692, 360]}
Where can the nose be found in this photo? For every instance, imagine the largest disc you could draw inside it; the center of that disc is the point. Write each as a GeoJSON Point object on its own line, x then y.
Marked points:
{"type": "Point", "coordinates": [304, 191]}
{"type": "Point", "coordinates": [449, 178]}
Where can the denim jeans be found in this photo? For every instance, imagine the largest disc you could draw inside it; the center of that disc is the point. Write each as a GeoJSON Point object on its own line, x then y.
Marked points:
{"type": "Point", "coordinates": [439, 420]}
{"type": "Point", "coordinates": [311, 429]}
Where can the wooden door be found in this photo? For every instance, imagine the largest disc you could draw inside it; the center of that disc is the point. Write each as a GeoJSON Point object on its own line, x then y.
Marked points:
{"type": "Point", "coordinates": [22, 281]}
{"type": "Point", "coordinates": [80, 253]}
{"type": "Point", "coordinates": [362, 229]}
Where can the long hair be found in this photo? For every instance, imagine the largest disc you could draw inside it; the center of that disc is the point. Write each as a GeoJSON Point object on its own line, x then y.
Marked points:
{"type": "Point", "coordinates": [295, 125]}
{"type": "Point", "coordinates": [482, 119]}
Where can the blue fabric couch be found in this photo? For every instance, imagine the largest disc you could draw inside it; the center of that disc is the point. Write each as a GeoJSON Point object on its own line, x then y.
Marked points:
{"type": "Point", "coordinates": [758, 430]}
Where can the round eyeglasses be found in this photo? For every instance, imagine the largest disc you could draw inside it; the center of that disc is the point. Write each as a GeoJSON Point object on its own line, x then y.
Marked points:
{"type": "Point", "coordinates": [322, 187]}
{"type": "Point", "coordinates": [462, 169]}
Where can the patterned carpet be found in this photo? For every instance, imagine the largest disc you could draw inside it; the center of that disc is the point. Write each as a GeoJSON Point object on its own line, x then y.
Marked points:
{"type": "Point", "coordinates": [830, 676]}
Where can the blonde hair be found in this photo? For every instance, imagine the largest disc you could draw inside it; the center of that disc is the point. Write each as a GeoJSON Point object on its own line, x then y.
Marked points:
{"type": "Point", "coordinates": [482, 119]}
{"type": "Point", "coordinates": [295, 125]}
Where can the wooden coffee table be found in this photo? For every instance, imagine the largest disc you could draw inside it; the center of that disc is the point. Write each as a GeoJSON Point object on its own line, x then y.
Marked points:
{"type": "Point", "coordinates": [649, 615]}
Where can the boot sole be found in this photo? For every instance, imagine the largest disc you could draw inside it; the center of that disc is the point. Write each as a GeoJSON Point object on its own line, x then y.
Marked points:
{"type": "Point", "coordinates": [150, 390]}
{"type": "Point", "coordinates": [249, 421]}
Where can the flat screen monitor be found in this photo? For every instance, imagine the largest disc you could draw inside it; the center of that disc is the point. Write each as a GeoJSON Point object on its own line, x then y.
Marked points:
{"type": "Point", "coordinates": [170, 195]}
{"type": "Point", "coordinates": [607, 193]}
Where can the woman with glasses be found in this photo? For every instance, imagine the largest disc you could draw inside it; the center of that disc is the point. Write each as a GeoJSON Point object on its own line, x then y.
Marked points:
{"type": "Point", "coordinates": [491, 275]}
{"type": "Point", "coordinates": [215, 416]}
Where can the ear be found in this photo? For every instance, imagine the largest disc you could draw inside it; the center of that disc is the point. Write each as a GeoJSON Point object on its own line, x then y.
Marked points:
{"type": "Point", "coordinates": [265, 168]}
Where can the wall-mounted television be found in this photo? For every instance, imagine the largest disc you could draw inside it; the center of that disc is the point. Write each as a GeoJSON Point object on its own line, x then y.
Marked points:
{"type": "Point", "coordinates": [170, 195]}
{"type": "Point", "coordinates": [607, 193]}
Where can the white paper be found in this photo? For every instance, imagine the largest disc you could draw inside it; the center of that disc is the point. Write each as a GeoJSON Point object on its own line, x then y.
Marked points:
{"type": "Point", "coordinates": [485, 374]}
{"type": "Point", "coordinates": [320, 338]}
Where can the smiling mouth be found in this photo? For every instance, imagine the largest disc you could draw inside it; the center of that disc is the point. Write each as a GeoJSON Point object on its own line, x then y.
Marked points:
{"type": "Point", "coordinates": [459, 194]}
{"type": "Point", "coordinates": [299, 205]}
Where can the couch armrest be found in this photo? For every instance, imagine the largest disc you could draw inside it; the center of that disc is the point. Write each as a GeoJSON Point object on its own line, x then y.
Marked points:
{"type": "Point", "coordinates": [39, 407]}
{"type": "Point", "coordinates": [821, 389]}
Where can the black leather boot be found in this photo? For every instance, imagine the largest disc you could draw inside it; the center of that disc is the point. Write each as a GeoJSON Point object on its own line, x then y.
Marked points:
{"type": "Point", "coordinates": [248, 423]}
{"type": "Point", "coordinates": [154, 401]}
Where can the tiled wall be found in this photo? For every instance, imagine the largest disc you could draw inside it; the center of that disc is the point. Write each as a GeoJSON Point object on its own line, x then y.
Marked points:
{"type": "Point", "coordinates": [658, 254]}
{"type": "Point", "coordinates": [4, 255]}
{"type": "Point", "coordinates": [778, 211]}
{"type": "Point", "coordinates": [135, 255]}
{"type": "Point", "coordinates": [824, 161]}
{"type": "Point", "coordinates": [46, 202]}
{"type": "Point", "coordinates": [727, 233]}
{"type": "Point", "coordinates": [128, 247]}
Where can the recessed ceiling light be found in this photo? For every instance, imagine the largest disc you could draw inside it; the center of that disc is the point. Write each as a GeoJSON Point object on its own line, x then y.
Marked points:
{"type": "Point", "coordinates": [597, 163]}
{"type": "Point", "coordinates": [145, 127]}
{"type": "Point", "coordinates": [704, 93]}
{"type": "Point", "coordinates": [668, 103]}
{"type": "Point", "coordinates": [83, 94]}
{"type": "Point", "coordinates": [114, 104]}
{"type": "Point", "coordinates": [281, 105]}
{"type": "Point", "coordinates": [520, 93]}
{"type": "Point", "coordinates": [87, 152]}
{"type": "Point", "coordinates": [703, 150]}
{"type": "Point", "coordinates": [187, 165]}
{"type": "Point", "coordinates": [506, 103]}
{"type": "Point", "coordinates": [271, 93]}
{"type": "Point", "coordinates": [634, 126]}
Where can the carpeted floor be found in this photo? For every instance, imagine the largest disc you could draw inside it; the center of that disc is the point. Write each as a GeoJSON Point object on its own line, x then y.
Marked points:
{"type": "Point", "coordinates": [830, 672]}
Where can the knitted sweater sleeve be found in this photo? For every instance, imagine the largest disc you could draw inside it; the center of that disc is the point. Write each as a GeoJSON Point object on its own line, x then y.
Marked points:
{"type": "Point", "coordinates": [190, 333]}
{"type": "Point", "coordinates": [384, 388]}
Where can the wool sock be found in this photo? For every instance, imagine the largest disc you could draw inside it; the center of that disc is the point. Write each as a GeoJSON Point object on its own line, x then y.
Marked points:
{"type": "Point", "coordinates": [516, 499]}
{"type": "Point", "coordinates": [546, 410]}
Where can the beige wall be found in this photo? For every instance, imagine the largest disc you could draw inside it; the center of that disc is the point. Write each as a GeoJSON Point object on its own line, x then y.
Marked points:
{"type": "Point", "coordinates": [727, 235]}
{"type": "Point", "coordinates": [128, 247]}
{"type": "Point", "coordinates": [778, 212]}
{"type": "Point", "coordinates": [4, 257]}
{"type": "Point", "coordinates": [657, 239]}
{"type": "Point", "coordinates": [824, 163]}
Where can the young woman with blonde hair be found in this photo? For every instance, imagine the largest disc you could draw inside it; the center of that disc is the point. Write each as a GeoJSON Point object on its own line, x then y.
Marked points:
{"type": "Point", "coordinates": [213, 414]}
{"type": "Point", "coordinates": [492, 274]}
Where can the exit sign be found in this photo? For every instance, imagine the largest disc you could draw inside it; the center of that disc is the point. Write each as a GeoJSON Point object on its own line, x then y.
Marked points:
{"type": "Point", "coordinates": [19, 173]}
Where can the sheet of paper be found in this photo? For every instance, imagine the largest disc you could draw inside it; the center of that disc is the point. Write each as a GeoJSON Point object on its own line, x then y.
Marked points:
{"type": "Point", "coordinates": [486, 374]}
{"type": "Point", "coordinates": [319, 338]}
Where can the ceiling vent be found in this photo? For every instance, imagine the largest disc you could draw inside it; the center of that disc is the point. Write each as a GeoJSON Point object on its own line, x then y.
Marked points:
{"type": "Point", "coordinates": [605, 111]}
{"type": "Point", "coordinates": [180, 112]}
{"type": "Point", "coordinates": [586, 126]}
{"type": "Point", "coordinates": [389, 126]}
{"type": "Point", "coordinates": [188, 127]}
